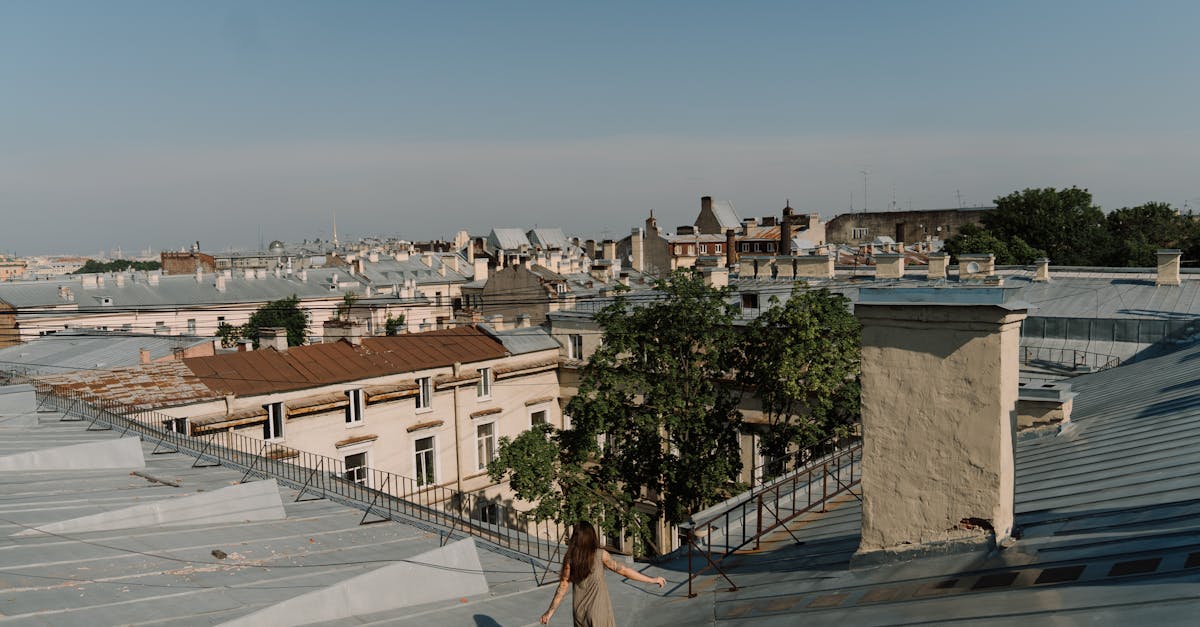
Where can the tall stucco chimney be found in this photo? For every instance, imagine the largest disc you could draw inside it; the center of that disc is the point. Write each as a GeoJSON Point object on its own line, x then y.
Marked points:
{"type": "Point", "coordinates": [480, 269]}
{"type": "Point", "coordinates": [609, 249]}
{"type": "Point", "coordinates": [589, 247]}
{"type": "Point", "coordinates": [889, 266]}
{"type": "Point", "coordinates": [635, 246]}
{"type": "Point", "coordinates": [1041, 270]}
{"type": "Point", "coordinates": [731, 254]}
{"type": "Point", "coordinates": [1168, 267]}
{"type": "Point", "coordinates": [143, 355]}
{"type": "Point", "coordinates": [937, 265]}
{"type": "Point", "coordinates": [939, 392]}
{"type": "Point", "coordinates": [785, 231]}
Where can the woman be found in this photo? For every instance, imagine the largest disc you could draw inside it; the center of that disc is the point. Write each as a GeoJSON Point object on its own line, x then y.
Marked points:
{"type": "Point", "coordinates": [582, 568]}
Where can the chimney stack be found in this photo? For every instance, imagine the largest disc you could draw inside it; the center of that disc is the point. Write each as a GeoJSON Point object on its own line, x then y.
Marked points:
{"type": "Point", "coordinates": [937, 265]}
{"type": "Point", "coordinates": [1168, 267]}
{"type": "Point", "coordinates": [976, 267]}
{"type": "Point", "coordinates": [716, 277]}
{"type": "Point", "coordinates": [589, 248]}
{"type": "Point", "coordinates": [938, 473]}
{"type": "Point", "coordinates": [785, 231]}
{"type": "Point", "coordinates": [1041, 272]}
{"type": "Point", "coordinates": [245, 346]}
{"type": "Point", "coordinates": [350, 330]}
{"type": "Point", "coordinates": [635, 245]}
{"type": "Point", "coordinates": [731, 254]}
{"type": "Point", "coordinates": [889, 266]}
{"type": "Point", "coordinates": [143, 356]}
{"type": "Point", "coordinates": [273, 337]}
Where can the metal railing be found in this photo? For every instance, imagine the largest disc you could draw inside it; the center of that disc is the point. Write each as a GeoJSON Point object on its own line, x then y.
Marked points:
{"type": "Point", "coordinates": [379, 493]}
{"type": "Point", "coordinates": [747, 518]}
{"type": "Point", "coordinates": [1067, 357]}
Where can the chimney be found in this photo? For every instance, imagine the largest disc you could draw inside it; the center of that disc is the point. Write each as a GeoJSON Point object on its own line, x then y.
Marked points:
{"type": "Point", "coordinates": [153, 278]}
{"type": "Point", "coordinates": [64, 293]}
{"type": "Point", "coordinates": [1042, 404]}
{"type": "Point", "coordinates": [199, 275]}
{"type": "Point", "coordinates": [1168, 267]}
{"type": "Point", "coordinates": [1041, 271]}
{"type": "Point", "coordinates": [143, 356]}
{"type": "Point", "coordinates": [401, 255]}
{"type": "Point", "coordinates": [785, 230]}
{"type": "Point", "coordinates": [273, 337]}
{"type": "Point", "coordinates": [523, 321]}
{"type": "Point", "coordinates": [373, 257]}
{"type": "Point", "coordinates": [427, 259]}
{"type": "Point", "coordinates": [815, 266]}
{"type": "Point", "coordinates": [481, 269]}
{"type": "Point", "coordinates": [589, 248]}
{"type": "Point", "coordinates": [937, 473]}
{"type": "Point", "coordinates": [976, 267]}
{"type": "Point", "coordinates": [177, 353]}
{"type": "Point", "coordinates": [245, 346]}
{"type": "Point", "coordinates": [359, 266]}
{"type": "Point", "coordinates": [120, 279]}
{"type": "Point", "coordinates": [716, 277]}
{"type": "Point", "coordinates": [889, 266]}
{"type": "Point", "coordinates": [731, 254]}
{"type": "Point", "coordinates": [937, 266]}
{"type": "Point", "coordinates": [303, 275]}
{"type": "Point", "coordinates": [635, 245]}
{"type": "Point", "coordinates": [497, 322]}
{"type": "Point", "coordinates": [220, 282]}
{"type": "Point", "coordinates": [260, 273]}
{"type": "Point", "coordinates": [350, 330]}
{"type": "Point", "coordinates": [706, 204]}
{"type": "Point", "coordinates": [748, 223]}
{"type": "Point", "coordinates": [248, 273]}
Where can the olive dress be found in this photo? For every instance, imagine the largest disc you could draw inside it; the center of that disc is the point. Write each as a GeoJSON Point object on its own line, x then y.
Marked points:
{"type": "Point", "coordinates": [589, 598]}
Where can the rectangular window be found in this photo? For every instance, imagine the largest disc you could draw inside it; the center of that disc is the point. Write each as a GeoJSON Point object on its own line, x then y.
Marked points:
{"type": "Point", "coordinates": [537, 417]}
{"type": "Point", "coordinates": [749, 301]}
{"type": "Point", "coordinates": [176, 425]}
{"type": "Point", "coordinates": [220, 319]}
{"type": "Point", "coordinates": [745, 248]}
{"type": "Point", "coordinates": [356, 468]}
{"type": "Point", "coordinates": [424, 393]}
{"type": "Point", "coordinates": [720, 248]}
{"type": "Point", "coordinates": [354, 408]}
{"type": "Point", "coordinates": [425, 462]}
{"type": "Point", "coordinates": [575, 346]}
{"type": "Point", "coordinates": [273, 427]}
{"type": "Point", "coordinates": [691, 250]}
{"type": "Point", "coordinates": [860, 232]}
{"type": "Point", "coordinates": [191, 326]}
{"type": "Point", "coordinates": [483, 389]}
{"type": "Point", "coordinates": [485, 444]}
{"type": "Point", "coordinates": [703, 249]}
{"type": "Point", "coordinates": [770, 247]}
{"type": "Point", "coordinates": [757, 247]}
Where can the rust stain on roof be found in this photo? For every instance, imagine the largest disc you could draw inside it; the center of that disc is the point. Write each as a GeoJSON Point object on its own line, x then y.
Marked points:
{"type": "Point", "coordinates": [267, 371]}
{"type": "Point", "coordinates": [140, 387]}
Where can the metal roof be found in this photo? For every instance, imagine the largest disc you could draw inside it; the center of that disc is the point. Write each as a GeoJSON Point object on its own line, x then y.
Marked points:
{"type": "Point", "coordinates": [75, 349]}
{"type": "Point", "coordinates": [388, 271]}
{"type": "Point", "coordinates": [176, 290]}
{"type": "Point", "coordinates": [507, 239]}
{"type": "Point", "coordinates": [150, 386]}
{"type": "Point", "coordinates": [725, 214]}
{"type": "Point", "coordinates": [548, 238]}
{"type": "Point", "coordinates": [527, 340]}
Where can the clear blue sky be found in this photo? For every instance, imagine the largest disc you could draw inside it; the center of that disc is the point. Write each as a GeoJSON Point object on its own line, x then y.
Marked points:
{"type": "Point", "coordinates": [161, 122]}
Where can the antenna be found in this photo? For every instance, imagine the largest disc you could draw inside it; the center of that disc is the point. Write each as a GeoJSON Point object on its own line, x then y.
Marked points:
{"type": "Point", "coordinates": [958, 194]}
{"type": "Point", "coordinates": [865, 174]}
{"type": "Point", "coordinates": [893, 196]}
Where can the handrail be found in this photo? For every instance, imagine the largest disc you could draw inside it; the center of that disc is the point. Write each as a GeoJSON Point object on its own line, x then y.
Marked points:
{"type": "Point", "coordinates": [1059, 357]}
{"type": "Point", "coordinates": [380, 493]}
{"type": "Point", "coordinates": [781, 499]}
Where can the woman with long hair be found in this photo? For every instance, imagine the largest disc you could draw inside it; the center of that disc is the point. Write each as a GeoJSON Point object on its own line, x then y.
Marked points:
{"type": "Point", "coordinates": [583, 568]}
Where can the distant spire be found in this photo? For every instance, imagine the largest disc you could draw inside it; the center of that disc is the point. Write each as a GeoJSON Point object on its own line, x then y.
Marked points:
{"type": "Point", "coordinates": [335, 242]}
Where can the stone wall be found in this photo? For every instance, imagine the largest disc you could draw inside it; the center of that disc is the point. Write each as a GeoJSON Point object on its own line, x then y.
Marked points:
{"type": "Point", "coordinates": [902, 226]}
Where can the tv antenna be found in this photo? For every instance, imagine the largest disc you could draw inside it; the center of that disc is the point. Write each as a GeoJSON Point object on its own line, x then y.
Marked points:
{"type": "Point", "coordinates": [866, 174]}
{"type": "Point", "coordinates": [958, 194]}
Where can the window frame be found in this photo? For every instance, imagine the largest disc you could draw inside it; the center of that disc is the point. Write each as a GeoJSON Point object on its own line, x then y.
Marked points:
{"type": "Point", "coordinates": [356, 408]}
{"type": "Point", "coordinates": [424, 398]}
{"type": "Point", "coordinates": [362, 473]}
{"type": "Point", "coordinates": [483, 387]}
{"type": "Point", "coordinates": [574, 346]}
{"type": "Point", "coordinates": [430, 466]}
{"type": "Point", "coordinates": [489, 441]}
{"type": "Point", "coordinates": [273, 429]}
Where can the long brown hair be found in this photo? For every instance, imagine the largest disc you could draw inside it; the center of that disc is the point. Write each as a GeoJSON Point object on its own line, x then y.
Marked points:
{"type": "Point", "coordinates": [581, 551]}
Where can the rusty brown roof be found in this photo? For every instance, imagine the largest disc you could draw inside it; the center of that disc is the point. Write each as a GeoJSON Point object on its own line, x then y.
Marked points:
{"type": "Point", "coordinates": [142, 387]}
{"type": "Point", "coordinates": [267, 371]}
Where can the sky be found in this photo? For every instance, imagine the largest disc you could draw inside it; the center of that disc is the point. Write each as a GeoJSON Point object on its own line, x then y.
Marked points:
{"type": "Point", "coordinates": [158, 123]}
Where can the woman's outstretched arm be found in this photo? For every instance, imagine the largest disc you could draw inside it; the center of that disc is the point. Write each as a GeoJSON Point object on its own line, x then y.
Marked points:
{"type": "Point", "coordinates": [564, 582]}
{"type": "Point", "coordinates": [628, 572]}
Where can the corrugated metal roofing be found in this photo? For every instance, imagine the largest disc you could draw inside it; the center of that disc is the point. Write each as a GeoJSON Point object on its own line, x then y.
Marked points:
{"type": "Point", "coordinates": [507, 239]}
{"type": "Point", "coordinates": [725, 214]}
{"type": "Point", "coordinates": [527, 340]}
{"type": "Point", "coordinates": [75, 350]}
{"type": "Point", "coordinates": [150, 386]}
{"type": "Point", "coordinates": [267, 371]}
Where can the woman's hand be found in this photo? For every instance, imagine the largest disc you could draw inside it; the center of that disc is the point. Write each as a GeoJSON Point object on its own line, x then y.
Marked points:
{"type": "Point", "coordinates": [546, 617]}
{"type": "Point", "coordinates": [660, 581]}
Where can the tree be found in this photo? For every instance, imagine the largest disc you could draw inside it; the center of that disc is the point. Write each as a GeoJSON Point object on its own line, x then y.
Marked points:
{"type": "Point", "coordinates": [1137, 232]}
{"type": "Point", "coordinates": [284, 313]}
{"type": "Point", "coordinates": [343, 309]}
{"type": "Point", "coordinates": [974, 239]}
{"type": "Point", "coordinates": [91, 266]}
{"type": "Point", "coordinates": [801, 359]}
{"type": "Point", "coordinates": [1064, 224]}
{"type": "Point", "coordinates": [393, 325]}
{"type": "Point", "coordinates": [229, 334]}
{"type": "Point", "coordinates": [652, 417]}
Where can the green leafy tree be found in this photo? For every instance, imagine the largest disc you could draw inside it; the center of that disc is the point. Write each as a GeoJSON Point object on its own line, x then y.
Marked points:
{"type": "Point", "coordinates": [285, 313]}
{"type": "Point", "coordinates": [342, 312]}
{"type": "Point", "coordinates": [1064, 224]}
{"type": "Point", "coordinates": [393, 325]}
{"type": "Point", "coordinates": [801, 360]}
{"type": "Point", "coordinates": [652, 416]}
{"type": "Point", "coordinates": [974, 239]}
{"type": "Point", "coordinates": [1138, 232]}
{"type": "Point", "coordinates": [229, 334]}
{"type": "Point", "coordinates": [92, 266]}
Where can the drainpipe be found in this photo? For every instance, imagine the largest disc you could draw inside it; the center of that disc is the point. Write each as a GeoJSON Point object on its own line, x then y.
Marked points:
{"type": "Point", "coordinates": [458, 470]}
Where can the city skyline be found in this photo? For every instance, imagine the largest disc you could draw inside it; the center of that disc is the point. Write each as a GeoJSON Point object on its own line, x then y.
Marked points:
{"type": "Point", "coordinates": [138, 124]}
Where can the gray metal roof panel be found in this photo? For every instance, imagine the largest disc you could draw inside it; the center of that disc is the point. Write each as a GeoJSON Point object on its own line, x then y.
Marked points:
{"type": "Point", "coordinates": [508, 238]}
{"type": "Point", "coordinates": [548, 238]}
{"type": "Point", "coordinates": [76, 350]}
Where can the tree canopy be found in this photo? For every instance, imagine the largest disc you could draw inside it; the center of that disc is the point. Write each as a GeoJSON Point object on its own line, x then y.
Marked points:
{"type": "Point", "coordinates": [92, 266]}
{"type": "Point", "coordinates": [800, 359]}
{"type": "Point", "coordinates": [653, 417]}
{"type": "Point", "coordinates": [285, 313]}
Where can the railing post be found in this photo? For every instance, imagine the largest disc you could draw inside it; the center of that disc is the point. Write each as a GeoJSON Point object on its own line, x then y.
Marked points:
{"type": "Point", "coordinates": [824, 486]}
{"type": "Point", "coordinates": [691, 573]}
{"type": "Point", "coordinates": [758, 529]}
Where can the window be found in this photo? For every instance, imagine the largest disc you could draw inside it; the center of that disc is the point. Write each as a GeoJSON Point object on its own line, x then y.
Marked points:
{"type": "Point", "coordinates": [273, 427]}
{"type": "Point", "coordinates": [356, 468]}
{"type": "Point", "coordinates": [561, 288]}
{"type": "Point", "coordinates": [575, 346]}
{"type": "Point", "coordinates": [483, 389]}
{"type": "Point", "coordinates": [220, 319]}
{"type": "Point", "coordinates": [537, 417]}
{"type": "Point", "coordinates": [691, 250]}
{"type": "Point", "coordinates": [745, 248]}
{"type": "Point", "coordinates": [191, 326]}
{"type": "Point", "coordinates": [425, 462]}
{"type": "Point", "coordinates": [719, 248]}
{"type": "Point", "coordinates": [160, 327]}
{"type": "Point", "coordinates": [424, 393]}
{"type": "Point", "coordinates": [770, 247]}
{"type": "Point", "coordinates": [757, 247]}
{"type": "Point", "coordinates": [485, 444]}
{"type": "Point", "coordinates": [749, 301]}
{"type": "Point", "coordinates": [489, 513]}
{"type": "Point", "coordinates": [176, 425]}
{"type": "Point", "coordinates": [860, 232]}
{"type": "Point", "coordinates": [703, 249]}
{"type": "Point", "coordinates": [354, 408]}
